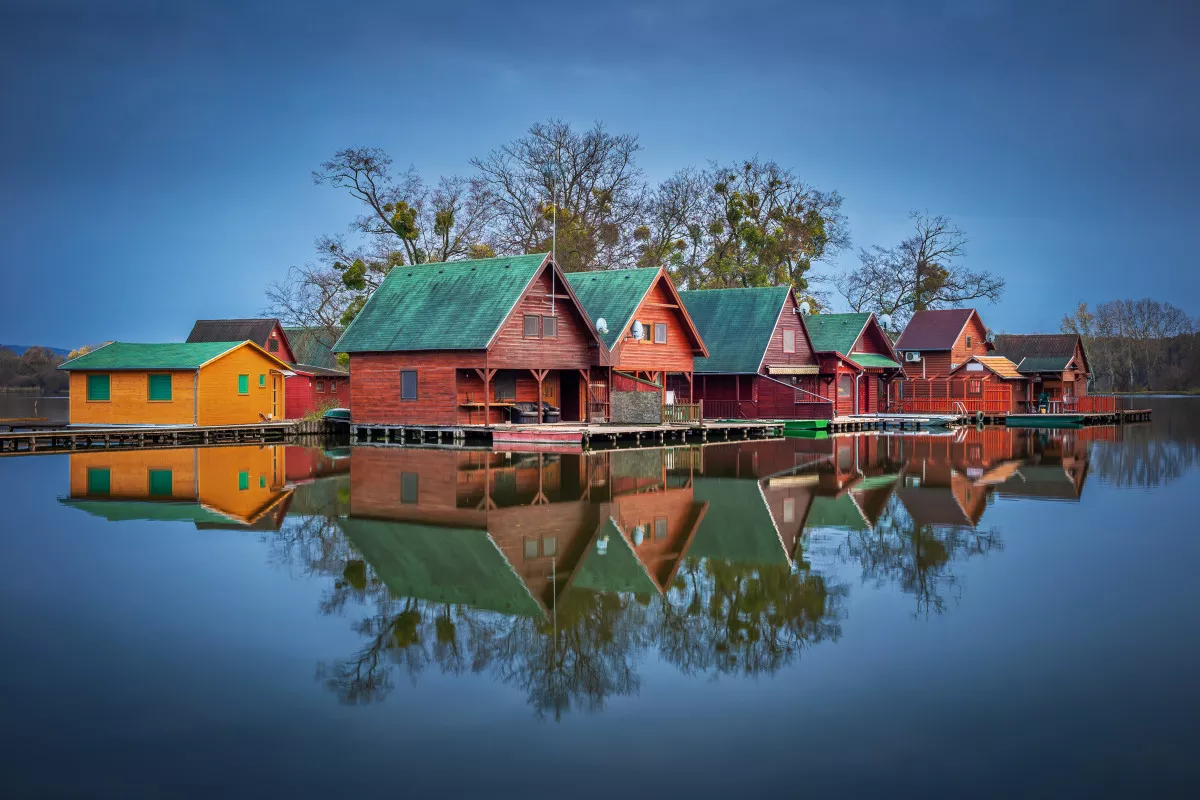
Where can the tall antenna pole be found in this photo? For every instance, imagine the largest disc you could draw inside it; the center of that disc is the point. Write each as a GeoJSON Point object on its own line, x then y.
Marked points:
{"type": "Point", "coordinates": [553, 239]}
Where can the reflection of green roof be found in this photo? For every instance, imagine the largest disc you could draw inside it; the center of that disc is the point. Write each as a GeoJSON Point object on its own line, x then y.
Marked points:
{"type": "Point", "coordinates": [149, 510]}
{"type": "Point", "coordinates": [873, 360]}
{"type": "Point", "coordinates": [875, 482]}
{"type": "Point", "coordinates": [737, 526]}
{"type": "Point", "coordinates": [442, 565]}
{"type": "Point", "coordinates": [457, 305]}
{"type": "Point", "coordinates": [616, 569]}
{"type": "Point", "coordinates": [735, 324]}
{"type": "Point", "coordinates": [835, 512]}
{"type": "Point", "coordinates": [128, 355]}
{"type": "Point", "coordinates": [612, 294]}
{"type": "Point", "coordinates": [835, 332]}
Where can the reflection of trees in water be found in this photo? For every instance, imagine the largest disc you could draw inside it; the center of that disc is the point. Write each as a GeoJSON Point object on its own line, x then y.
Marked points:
{"type": "Point", "coordinates": [717, 618]}
{"type": "Point", "coordinates": [724, 619]}
{"type": "Point", "coordinates": [1142, 459]}
{"type": "Point", "coordinates": [917, 558]}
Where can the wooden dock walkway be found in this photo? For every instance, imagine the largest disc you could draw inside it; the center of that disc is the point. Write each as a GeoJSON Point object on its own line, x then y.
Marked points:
{"type": "Point", "coordinates": [128, 438]}
{"type": "Point", "coordinates": [565, 436]}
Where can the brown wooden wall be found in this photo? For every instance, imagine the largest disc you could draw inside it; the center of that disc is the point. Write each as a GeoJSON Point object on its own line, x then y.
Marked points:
{"type": "Point", "coordinates": [375, 386]}
{"type": "Point", "coordinates": [303, 397]}
{"type": "Point", "coordinates": [573, 348]}
{"type": "Point", "coordinates": [977, 331]}
{"type": "Point", "coordinates": [676, 355]}
{"type": "Point", "coordinates": [788, 320]}
{"type": "Point", "coordinates": [129, 402]}
{"type": "Point", "coordinates": [220, 403]}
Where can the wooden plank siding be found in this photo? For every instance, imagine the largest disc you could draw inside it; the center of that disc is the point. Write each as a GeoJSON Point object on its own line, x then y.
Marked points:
{"type": "Point", "coordinates": [129, 400]}
{"type": "Point", "coordinates": [303, 397]}
{"type": "Point", "coordinates": [220, 403]}
{"type": "Point", "coordinates": [788, 320]}
{"type": "Point", "coordinates": [676, 355]}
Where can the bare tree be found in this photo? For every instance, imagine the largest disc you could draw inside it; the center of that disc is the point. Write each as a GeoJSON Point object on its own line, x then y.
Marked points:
{"type": "Point", "coordinates": [593, 176]}
{"type": "Point", "coordinates": [923, 272]}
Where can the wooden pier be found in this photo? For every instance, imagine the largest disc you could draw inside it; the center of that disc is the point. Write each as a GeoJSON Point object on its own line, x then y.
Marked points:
{"type": "Point", "coordinates": [565, 436]}
{"type": "Point", "coordinates": [62, 439]}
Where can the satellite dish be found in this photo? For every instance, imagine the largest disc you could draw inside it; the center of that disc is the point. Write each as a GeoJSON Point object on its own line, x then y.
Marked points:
{"type": "Point", "coordinates": [805, 307]}
{"type": "Point", "coordinates": [886, 321]}
{"type": "Point", "coordinates": [991, 337]}
{"type": "Point", "coordinates": [602, 325]}
{"type": "Point", "coordinates": [636, 331]}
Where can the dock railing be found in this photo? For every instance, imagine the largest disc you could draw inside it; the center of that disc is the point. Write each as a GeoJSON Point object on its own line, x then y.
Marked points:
{"type": "Point", "coordinates": [1094, 404]}
{"type": "Point", "coordinates": [730, 409]}
{"type": "Point", "coordinates": [683, 412]}
{"type": "Point", "coordinates": [950, 396]}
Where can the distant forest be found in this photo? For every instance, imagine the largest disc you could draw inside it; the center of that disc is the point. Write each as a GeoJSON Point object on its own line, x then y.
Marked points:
{"type": "Point", "coordinates": [1139, 345]}
{"type": "Point", "coordinates": [35, 370]}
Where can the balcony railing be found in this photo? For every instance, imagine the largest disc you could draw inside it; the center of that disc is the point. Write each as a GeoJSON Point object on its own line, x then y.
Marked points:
{"type": "Point", "coordinates": [683, 412]}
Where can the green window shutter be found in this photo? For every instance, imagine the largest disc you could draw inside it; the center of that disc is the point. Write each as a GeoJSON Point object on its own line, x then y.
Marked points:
{"type": "Point", "coordinates": [243, 480]}
{"type": "Point", "coordinates": [97, 387]}
{"type": "Point", "coordinates": [262, 481]}
{"type": "Point", "coordinates": [161, 482]}
{"type": "Point", "coordinates": [160, 387]}
{"type": "Point", "coordinates": [243, 384]}
{"type": "Point", "coordinates": [262, 381]}
{"type": "Point", "coordinates": [99, 480]}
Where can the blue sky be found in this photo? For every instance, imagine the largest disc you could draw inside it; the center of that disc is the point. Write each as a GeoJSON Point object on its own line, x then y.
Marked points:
{"type": "Point", "coordinates": [155, 157]}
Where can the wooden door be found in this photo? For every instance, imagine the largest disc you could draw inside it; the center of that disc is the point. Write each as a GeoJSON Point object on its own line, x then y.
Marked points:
{"type": "Point", "coordinates": [550, 389]}
{"type": "Point", "coordinates": [275, 397]}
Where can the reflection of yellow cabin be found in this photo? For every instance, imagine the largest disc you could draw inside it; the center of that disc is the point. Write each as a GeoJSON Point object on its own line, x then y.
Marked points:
{"type": "Point", "coordinates": [209, 486]}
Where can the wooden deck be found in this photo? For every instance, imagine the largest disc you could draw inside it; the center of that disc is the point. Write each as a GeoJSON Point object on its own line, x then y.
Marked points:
{"type": "Point", "coordinates": [565, 435]}
{"type": "Point", "coordinates": [61, 439]}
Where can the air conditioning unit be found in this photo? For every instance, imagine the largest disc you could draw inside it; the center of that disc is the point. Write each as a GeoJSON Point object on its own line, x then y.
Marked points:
{"type": "Point", "coordinates": [912, 357]}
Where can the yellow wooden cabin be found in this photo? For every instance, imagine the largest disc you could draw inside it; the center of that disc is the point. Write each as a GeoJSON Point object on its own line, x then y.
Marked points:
{"type": "Point", "coordinates": [208, 383]}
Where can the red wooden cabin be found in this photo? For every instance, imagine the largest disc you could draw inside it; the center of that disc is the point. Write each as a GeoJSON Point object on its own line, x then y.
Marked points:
{"type": "Point", "coordinates": [310, 386]}
{"type": "Point", "coordinates": [761, 363]}
{"type": "Point", "coordinates": [468, 342]}
{"type": "Point", "coordinates": [1054, 363]}
{"type": "Point", "coordinates": [857, 362]}
{"type": "Point", "coordinates": [935, 342]}
{"type": "Point", "coordinates": [645, 327]}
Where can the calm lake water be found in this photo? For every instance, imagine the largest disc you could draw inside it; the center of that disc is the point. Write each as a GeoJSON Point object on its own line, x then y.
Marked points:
{"type": "Point", "coordinates": [1006, 613]}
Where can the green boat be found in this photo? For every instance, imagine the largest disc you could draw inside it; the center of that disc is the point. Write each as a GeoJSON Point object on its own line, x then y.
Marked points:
{"type": "Point", "coordinates": [1044, 420]}
{"type": "Point", "coordinates": [806, 424]}
{"type": "Point", "coordinates": [803, 433]}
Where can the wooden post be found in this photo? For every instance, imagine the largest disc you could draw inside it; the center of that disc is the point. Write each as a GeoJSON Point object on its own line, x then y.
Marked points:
{"type": "Point", "coordinates": [539, 375]}
{"type": "Point", "coordinates": [486, 375]}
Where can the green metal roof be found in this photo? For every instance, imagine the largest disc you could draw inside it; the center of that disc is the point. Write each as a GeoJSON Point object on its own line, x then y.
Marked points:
{"type": "Point", "coordinates": [442, 565]}
{"type": "Point", "coordinates": [735, 324]}
{"type": "Point", "coordinates": [311, 346]}
{"type": "Point", "coordinates": [126, 355]}
{"type": "Point", "coordinates": [737, 527]}
{"type": "Point", "coordinates": [835, 512]}
{"type": "Point", "coordinates": [612, 294]}
{"type": "Point", "coordinates": [613, 566]}
{"type": "Point", "coordinates": [148, 510]}
{"type": "Point", "coordinates": [454, 305]}
{"type": "Point", "coordinates": [1043, 364]}
{"type": "Point", "coordinates": [873, 360]}
{"type": "Point", "coordinates": [835, 333]}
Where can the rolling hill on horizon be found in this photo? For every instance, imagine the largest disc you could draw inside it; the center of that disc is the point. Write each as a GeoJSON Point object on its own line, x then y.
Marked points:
{"type": "Point", "coordinates": [21, 348]}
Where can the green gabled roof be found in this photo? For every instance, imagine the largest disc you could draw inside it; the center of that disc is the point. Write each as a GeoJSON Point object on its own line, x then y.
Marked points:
{"type": "Point", "coordinates": [873, 360]}
{"type": "Point", "coordinates": [835, 512]}
{"type": "Point", "coordinates": [612, 566]}
{"type": "Point", "coordinates": [737, 527]}
{"type": "Point", "coordinates": [1043, 364]}
{"type": "Point", "coordinates": [612, 295]}
{"type": "Point", "coordinates": [312, 347]}
{"type": "Point", "coordinates": [458, 566]}
{"type": "Point", "coordinates": [735, 324]}
{"type": "Point", "coordinates": [148, 510]}
{"type": "Point", "coordinates": [127, 355]}
{"type": "Point", "coordinates": [835, 333]}
{"type": "Point", "coordinates": [454, 305]}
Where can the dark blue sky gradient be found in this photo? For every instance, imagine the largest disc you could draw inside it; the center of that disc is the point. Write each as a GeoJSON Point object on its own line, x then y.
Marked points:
{"type": "Point", "coordinates": [156, 157]}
